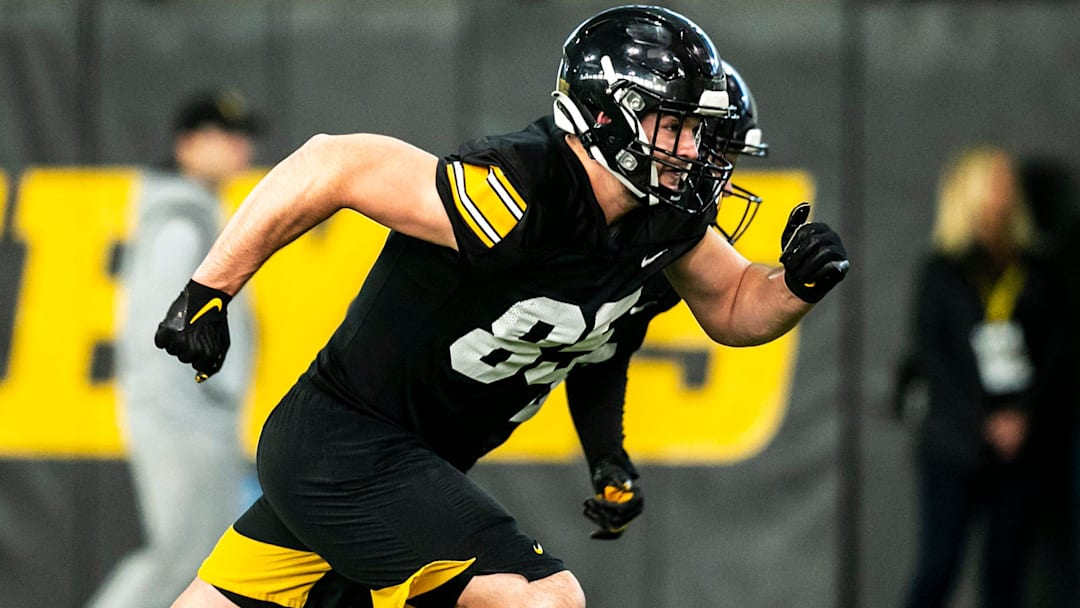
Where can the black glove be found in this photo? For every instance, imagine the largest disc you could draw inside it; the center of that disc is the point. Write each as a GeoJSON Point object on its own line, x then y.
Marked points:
{"type": "Point", "coordinates": [814, 259]}
{"type": "Point", "coordinates": [617, 502]}
{"type": "Point", "coordinates": [196, 329]}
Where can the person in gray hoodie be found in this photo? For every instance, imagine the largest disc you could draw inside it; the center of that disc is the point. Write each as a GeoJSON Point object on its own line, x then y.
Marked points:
{"type": "Point", "coordinates": [187, 466]}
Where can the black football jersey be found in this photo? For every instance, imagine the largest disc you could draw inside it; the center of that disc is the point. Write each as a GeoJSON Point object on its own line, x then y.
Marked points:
{"type": "Point", "coordinates": [461, 346]}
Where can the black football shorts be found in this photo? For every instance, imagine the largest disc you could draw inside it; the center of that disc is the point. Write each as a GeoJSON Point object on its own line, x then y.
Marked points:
{"type": "Point", "coordinates": [359, 512]}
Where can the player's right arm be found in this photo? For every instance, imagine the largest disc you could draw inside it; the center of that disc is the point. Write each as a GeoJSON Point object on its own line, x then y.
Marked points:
{"type": "Point", "coordinates": [738, 303]}
{"type": "Point", "coordinates": [383, 178]}
{"type": "Point", "coordinates": [386, 179]}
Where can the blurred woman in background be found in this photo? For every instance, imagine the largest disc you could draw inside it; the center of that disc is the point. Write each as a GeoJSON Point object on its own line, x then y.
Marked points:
{"type": "Point", "coordinates": [986, 314]}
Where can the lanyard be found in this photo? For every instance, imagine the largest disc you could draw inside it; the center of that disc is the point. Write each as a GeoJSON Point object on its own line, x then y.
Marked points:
{"type": "Point", "coordinates": [1000, 300]}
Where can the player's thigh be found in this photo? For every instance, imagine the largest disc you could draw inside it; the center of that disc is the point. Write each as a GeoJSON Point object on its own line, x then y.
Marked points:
{"type": "Point", "coordinates": [379, 506]}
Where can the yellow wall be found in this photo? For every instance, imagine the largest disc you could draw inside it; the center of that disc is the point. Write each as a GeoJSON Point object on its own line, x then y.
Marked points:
{"type": "Point", "coordinates": [69, 221]}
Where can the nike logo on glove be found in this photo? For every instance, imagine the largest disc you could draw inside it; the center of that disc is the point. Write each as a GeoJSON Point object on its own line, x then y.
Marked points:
{"type": "Point", "coordinates": [213, 303]}
{"type": "Point", "coordinates": [651, 258]}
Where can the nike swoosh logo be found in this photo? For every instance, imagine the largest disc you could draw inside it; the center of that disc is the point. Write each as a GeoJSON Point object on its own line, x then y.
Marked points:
{"type": "Point", "coordinates": [213, 303]}
{"type": "Point", "coordinates": [652, 258]}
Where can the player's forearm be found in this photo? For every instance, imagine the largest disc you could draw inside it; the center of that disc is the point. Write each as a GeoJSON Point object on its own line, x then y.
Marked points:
{"type": "Point", "coordinates": [296, 195]}
{"type": "Point", "coordinates": [762, 309]}
{"type": "Point", "coordinates": [595, 396]}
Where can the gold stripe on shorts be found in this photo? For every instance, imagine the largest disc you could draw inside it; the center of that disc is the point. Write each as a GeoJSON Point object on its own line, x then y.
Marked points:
{"type": "Point", "coordinates": [263, 571]}
{"type": "Point", "coordinates": [423, 580]}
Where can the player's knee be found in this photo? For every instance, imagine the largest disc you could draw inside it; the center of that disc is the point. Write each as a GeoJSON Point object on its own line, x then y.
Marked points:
{"type": "Point", "coordinates": [201, 594]}
{"type": "Point", "coordinates": [560, 590]}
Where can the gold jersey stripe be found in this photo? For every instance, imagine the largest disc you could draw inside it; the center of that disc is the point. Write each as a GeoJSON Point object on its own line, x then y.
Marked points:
{"type": "Point", "coordinates": [486, 200]}
{"type": "Point", "coordinates": [262, 571]}
{"type": "Point", "coordinates": [457, 186]}
{"type": "Point", "coordinates": [423, 580]}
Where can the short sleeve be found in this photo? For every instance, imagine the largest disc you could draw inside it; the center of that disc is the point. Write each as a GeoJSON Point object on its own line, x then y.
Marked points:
{"type": "Point", "coordinates": [483, 203]}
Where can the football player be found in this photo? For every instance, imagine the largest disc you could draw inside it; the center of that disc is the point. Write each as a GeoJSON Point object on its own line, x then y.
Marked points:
{"type": "Point", "coordinates": [507, 264]}
{"type": "Point", "coordinates": [596, 393]}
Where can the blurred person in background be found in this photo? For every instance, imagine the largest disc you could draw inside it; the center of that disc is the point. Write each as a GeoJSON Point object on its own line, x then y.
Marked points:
{"type": "Point", "coordinates": [987, 343]}
{"type": "Point", "coordinates": [186, 462]}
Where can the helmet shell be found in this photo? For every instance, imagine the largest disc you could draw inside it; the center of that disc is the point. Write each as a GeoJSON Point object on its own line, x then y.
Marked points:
{"type": "Point", "coordinates": [653, 47]}
{"type": "Point", "coordinates": [626, 62]}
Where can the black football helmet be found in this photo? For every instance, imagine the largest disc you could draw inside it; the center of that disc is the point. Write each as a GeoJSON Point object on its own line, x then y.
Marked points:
{"type": "Point", "coordinates": [627, 62]}
{"type": "Point", "coordinates": [744, 139]}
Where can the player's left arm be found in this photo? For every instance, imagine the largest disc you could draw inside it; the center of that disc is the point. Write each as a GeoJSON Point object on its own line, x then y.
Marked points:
{"type": "Point", "coordinates": [596, 394]}
{"type": "Point", "coordinates": [739, 303]}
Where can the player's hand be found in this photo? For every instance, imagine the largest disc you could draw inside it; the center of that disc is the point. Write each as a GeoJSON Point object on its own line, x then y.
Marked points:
{"type": "Point", "coordinates": [196, 329]}
{"type": "Point", "coordinates": [617, 502]}
{"type": "Point", "coordinates": [813, 256]}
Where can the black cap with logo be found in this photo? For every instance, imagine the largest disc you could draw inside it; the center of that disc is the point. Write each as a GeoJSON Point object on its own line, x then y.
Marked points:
{"type": "Point", "coordinates": [225, 108]}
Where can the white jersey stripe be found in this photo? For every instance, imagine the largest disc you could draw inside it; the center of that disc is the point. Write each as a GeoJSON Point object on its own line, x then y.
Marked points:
{"type": "Point", "coordinates": [504, 196]}
{"type": "Point", "coordinates": [470, 207]}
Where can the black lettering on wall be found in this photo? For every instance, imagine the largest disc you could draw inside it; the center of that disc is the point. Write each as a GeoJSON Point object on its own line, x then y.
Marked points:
{"type": "Point", "coordinates": [693, 363]}
{"type": "Point", "coordinates": [12, 264]}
